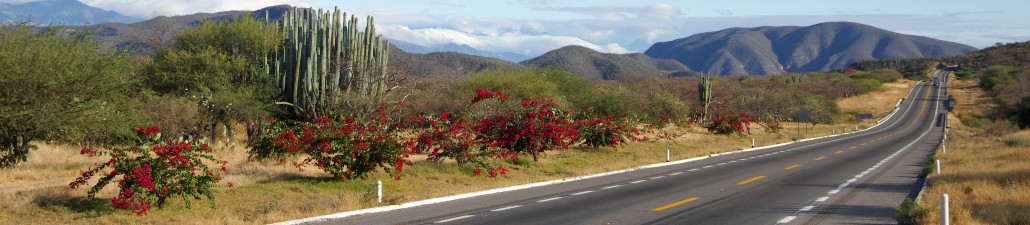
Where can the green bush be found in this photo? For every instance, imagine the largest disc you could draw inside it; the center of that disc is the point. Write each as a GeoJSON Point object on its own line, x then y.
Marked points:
{"type": "Point", "coordinates": [996, 76]}
{"type": "Point", "coordinates": [56, 86]}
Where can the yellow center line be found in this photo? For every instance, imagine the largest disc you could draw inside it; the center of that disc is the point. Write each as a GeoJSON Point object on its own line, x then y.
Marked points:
{"type": "Point", "coordinates": [674, 204]}
{"type": "Point", "coordinates": [863, 144]}
{"type": "Point", "coordinates": [750, 180]}
{"type": "Point", "coordinates": [820, 158]}
{"type": "Point", "coordinates": [792, 167]}
{"type": "Point", "coordinates": [853, 147]}
{"type": "Point", "coordinates": [838, 152]}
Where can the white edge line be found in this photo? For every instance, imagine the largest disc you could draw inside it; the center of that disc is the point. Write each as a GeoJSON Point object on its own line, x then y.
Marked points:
{"type": "Point", "coordinates": [506, 208]}
{"type": "Point", "coordinates": [549, 199]}
{"type": "Point", "coordinates": [582, 192]}
{"type": "Point", "coordinates": [786, 219]}
{"type": "Point", "coordinates": [453, 219]}
{"type": "Point", "coordinates": [545, 183]}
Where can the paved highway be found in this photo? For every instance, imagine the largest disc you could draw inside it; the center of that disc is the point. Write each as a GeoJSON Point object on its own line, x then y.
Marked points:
{"type": "Point", "coordinates": [851, 178]}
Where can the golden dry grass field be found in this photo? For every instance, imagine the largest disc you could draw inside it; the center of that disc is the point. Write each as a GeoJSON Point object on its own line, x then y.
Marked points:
{"type": "Point", "coordinates": [985, 170]}
{"type": "Point", "coordinates": [36, 192]}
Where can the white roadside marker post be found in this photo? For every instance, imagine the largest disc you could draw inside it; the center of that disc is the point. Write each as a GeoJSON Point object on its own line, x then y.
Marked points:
{"type": "Point", "coordinates": [752, 142]}
{"type": "Point", "coordinates": [668, 155]}
{"type": "Point", "coordinates": [945, 215]}
{"type": "Point", "coordinates": [938, 167]}
{"type": "Point", "coordinates": [379, 191]}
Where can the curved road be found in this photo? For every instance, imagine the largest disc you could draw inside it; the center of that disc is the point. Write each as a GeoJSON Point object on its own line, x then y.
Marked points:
{"type": "Point", "coordinates": [852, 178]}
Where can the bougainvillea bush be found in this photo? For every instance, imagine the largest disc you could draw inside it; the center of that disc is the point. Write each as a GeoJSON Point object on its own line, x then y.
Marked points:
{"type": "Point", "coordinates": [443, 137]}
{"type": "Point", "coordinates": [730, 124]}
{"type": "Point", "coordinates": [153, 171]}
{"type": "Point", "coordinates": [345, 148]}
{"type": "Point", "coordinates": [536, 126]}
{"type": "Point", "coordinates": [603, 130]}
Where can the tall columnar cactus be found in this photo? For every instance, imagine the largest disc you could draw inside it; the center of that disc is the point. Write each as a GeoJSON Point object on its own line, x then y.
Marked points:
{"type": "Point", "coordinates": [325, 58]}
{"type": "Point", "coordinates": [704, 89]}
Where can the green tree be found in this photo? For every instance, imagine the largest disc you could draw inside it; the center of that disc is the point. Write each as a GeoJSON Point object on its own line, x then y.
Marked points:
{"type": "Point", "coordinates": [222, 65]}
{"type": "Point", "coordinates": [60, 87]}
{"type": "Point", "coordinates": [996, 76]}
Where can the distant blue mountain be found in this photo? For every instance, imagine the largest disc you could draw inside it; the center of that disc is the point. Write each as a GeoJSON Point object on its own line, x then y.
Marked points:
{"type": "Point", "coordinates": [459, 48]}
{"type": "Point", "coordinates": [63, 12]}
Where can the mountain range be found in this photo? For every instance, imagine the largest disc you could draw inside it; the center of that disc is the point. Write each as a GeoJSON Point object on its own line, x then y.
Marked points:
{"type": "Point", "coordinates": [777, 50]}
{"type": "Point", "coordinates": [733, 51]}
{"type": "Point", "coordinates": [458, 48]}
{"type": "Point", "coordinates": [63, 12]}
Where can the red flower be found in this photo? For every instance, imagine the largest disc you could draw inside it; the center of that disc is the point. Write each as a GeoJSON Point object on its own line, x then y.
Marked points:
{"type": "Point", "coordinates": [482, 94]}
{"type": "Point", "coordinates": [147, 131]}
{"type": "Point", "coordinates": [89, 151]}
{"type": "Point", "coordinates": [445, 115]}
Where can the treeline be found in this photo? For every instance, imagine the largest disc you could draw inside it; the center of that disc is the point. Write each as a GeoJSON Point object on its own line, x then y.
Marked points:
{"type": "Point", "coordinates": [912, 69]}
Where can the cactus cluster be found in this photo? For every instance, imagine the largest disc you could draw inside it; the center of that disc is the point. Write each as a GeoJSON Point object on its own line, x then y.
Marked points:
{"type": "Point", "coordinates": [796, 78]}
{"type": "Point", "coordinates": [325, 58]}
{"type": "Point", "coordinates": [704, 89]}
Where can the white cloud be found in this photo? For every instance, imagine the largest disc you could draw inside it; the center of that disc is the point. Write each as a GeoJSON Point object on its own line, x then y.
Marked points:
{"type": "Point", "coordinates": [151, 8]}
{"type": "Point", "coordinates": [506, 42]}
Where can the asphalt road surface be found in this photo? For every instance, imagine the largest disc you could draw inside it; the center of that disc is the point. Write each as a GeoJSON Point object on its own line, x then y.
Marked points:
{"type": "Point", "coordinates": [852, 178]}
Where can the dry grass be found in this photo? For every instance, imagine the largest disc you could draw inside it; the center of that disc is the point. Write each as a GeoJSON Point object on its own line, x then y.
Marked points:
{"type": "Point", "coordinates": [985, 176]}
{"type": "Point", "coordinates": [875, 102]}
{"type": "Point", "coordinates": [268, 192]}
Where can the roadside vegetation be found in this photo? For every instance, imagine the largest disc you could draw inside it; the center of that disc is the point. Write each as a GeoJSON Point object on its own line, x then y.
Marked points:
{"type": "Point", "coordinates": [262, 134]}
{"type": "Point", "coordinates": [984, 171]}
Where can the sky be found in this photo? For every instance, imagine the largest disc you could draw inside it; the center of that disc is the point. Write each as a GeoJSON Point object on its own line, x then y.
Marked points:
{"type": "Point", "coordinates": [532, 27]}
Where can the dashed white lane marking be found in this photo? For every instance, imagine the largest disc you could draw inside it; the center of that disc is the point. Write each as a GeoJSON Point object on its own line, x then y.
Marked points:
{"type": "Point", "coordinates": [822, 199]}
{"type": "Point", "coordinates": [786, 219]}
{"type": "Point", "coordinates": [610, 187]}
{"type": "Point", "coordinates": [549, 199]}
{"type": "Point", "coordinates": [852, 180]}
{"type": "Point", "coordinates": [506, 208]}
{"type": "Point", "coordinates": [834, 191]}
{"type": "Point", "coordinates": [658, 177]}
{"type": "Point", "coordinates": [706, 167]}
{"type": "Point", "coordinates": [455, 218]}
{"type": "Point", "coordinates": [806, 208]}
{"type": "Point", "coordinates": [582, 192]}
{"type": "Point", "coordinates": [720, 164]}
{"type": "Point", "coordinates": [635, 182]}
{"type": "Point", "coordinates": [676, 173]}
{"type": "Point", "coordinates": [692, 170]}
{"type": "Point", "coordinates": [733, 161]}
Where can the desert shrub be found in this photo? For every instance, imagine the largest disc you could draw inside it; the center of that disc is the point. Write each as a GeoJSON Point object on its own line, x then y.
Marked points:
{"type": "Point", "coordinates": [177, 116]}
{"type": "Point", "coordinates": [517, 84]}
{"type": "Point", "coordinates": [154, 171]}
{"type": "Point", "coordinates": [866, 85]}
{"type": "Point", "coordinates": [612, 99]}
{"type": "Point", "coordinates": [996, 76]}
{"type": "Point", "coordinates": [1016, 141]}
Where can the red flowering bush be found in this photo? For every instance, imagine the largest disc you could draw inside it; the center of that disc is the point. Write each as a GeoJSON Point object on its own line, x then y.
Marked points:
{"type": "Point", "coordinates": [444, 137]}
{"type": "Point", "coordinates": [730, 124]}
{"type": "Point", "coordinates": [537, 126]}
{"type": "Point", "coordinates": [347, 149]}
{"type": "Point", "coordinates": [597, 130]}
{"type": "Point", "coordinates": [153, 171]}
